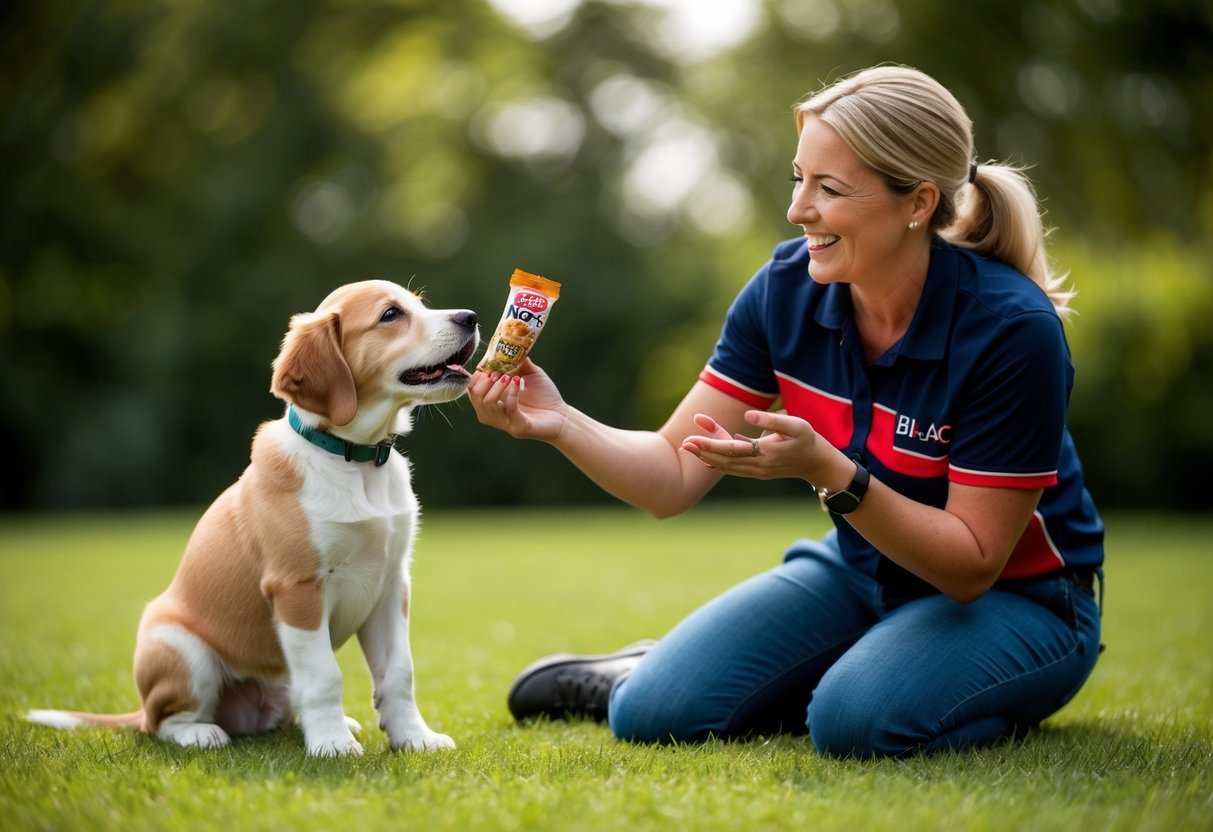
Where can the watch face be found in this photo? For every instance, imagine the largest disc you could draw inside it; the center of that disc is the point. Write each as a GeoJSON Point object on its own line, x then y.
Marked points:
{"type": "Point", "coordinates": [843, 502]}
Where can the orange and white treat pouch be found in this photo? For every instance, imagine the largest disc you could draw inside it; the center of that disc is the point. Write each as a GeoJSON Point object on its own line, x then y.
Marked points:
{"type": "Point", "coordinates": [526, 311]}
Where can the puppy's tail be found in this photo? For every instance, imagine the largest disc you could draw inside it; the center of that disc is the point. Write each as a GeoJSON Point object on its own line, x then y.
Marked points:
{"type": "Point", "coordinates": [78, 719]}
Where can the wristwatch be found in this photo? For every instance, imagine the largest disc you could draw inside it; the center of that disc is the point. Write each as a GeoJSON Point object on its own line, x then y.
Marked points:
{"type": "Point", "coordinates": [849, 498]}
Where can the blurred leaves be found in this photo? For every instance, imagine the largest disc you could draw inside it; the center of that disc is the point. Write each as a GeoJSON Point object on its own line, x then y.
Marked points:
{"type": "Point", "coordinates": [180, 177]}
{"type": "Point", "coordinates": [1144, 348]}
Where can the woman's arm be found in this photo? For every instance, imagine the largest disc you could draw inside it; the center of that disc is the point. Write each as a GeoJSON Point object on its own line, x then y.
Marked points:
{"type": "Point", "coordinates": [646, 469]}
{"type": "Point", "coordinates": [960, 549]}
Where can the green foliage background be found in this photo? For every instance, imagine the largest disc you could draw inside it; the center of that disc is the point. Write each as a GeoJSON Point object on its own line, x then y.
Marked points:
{"type": "Point", "coordinates": [180, 177]}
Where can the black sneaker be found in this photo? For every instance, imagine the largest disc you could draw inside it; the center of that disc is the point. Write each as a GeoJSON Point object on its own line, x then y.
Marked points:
{"type": "Point", "coordinates": [565, 685]}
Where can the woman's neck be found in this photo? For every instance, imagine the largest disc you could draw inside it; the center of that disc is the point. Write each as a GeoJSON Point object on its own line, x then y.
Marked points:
{"type": "Point", "coordinates": [885, 306]}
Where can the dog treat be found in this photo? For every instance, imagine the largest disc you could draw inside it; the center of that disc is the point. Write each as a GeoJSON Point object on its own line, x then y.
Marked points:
{"type": "Point", "coordinates": [526, 311]}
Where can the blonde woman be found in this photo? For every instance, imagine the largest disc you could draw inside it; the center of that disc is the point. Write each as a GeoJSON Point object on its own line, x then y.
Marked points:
{"type": "Point", "coordinates": [913, 338]}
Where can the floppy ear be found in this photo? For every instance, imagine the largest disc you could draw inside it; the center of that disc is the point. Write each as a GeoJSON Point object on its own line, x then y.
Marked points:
{"type": "Point", "coordinates": [311, 371]}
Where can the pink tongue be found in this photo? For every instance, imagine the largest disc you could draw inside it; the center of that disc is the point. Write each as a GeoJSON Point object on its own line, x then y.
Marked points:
{"type": "Point", "coordinates": [458, 368]}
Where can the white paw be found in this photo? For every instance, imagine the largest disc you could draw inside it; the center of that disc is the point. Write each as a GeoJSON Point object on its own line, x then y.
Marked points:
{"type": "Point", "coordinates": [338, 743]}
{"type": "Point", "coordinates": [426, 740]}
{"type": "Point", "coordinates": [354, 725]}
{"type": "Point", "coordinates": [194, 734]}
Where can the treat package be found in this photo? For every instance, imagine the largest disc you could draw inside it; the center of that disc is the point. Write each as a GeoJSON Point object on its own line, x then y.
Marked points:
{"type": "Point", "coordinates": [526, 311]}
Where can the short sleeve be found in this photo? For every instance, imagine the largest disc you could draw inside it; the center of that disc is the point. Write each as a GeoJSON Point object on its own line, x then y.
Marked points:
{"type": "Point", "coordinates": [741, 362]}
{"type": "Point", "coordinates": [1010, 419]}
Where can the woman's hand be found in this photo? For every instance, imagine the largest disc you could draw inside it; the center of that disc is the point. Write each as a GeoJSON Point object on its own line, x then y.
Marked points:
{"type": "Point", "coordinates": [526, 405]}
{"type": "Point", "coordinates": [788, 447]}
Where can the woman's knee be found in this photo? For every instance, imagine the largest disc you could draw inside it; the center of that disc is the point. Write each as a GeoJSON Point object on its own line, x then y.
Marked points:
{"type": "Point", "coordinates": [848, 718]}
{"type": "Point", "coordinates": [646, 710]}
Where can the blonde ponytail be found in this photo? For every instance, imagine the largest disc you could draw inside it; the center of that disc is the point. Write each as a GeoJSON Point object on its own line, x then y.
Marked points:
{"type": "Point", "coordinates": [999, 216]}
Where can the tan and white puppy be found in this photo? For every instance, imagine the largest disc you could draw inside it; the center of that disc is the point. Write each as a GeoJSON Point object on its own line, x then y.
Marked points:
{"type": "Point", "coordinates": [307, 548]}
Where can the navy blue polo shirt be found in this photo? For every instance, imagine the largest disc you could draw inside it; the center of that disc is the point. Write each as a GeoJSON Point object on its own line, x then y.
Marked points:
{"type": "Point", "coordinates": [975, 392]}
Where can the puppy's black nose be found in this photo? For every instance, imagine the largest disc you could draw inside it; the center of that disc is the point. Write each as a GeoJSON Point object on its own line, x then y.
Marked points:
{"type": "Point", "coordinates": [466, 319]}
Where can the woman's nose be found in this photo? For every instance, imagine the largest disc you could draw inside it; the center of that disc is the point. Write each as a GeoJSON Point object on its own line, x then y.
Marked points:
{"type": "Point", "coordinates": [802, 211]}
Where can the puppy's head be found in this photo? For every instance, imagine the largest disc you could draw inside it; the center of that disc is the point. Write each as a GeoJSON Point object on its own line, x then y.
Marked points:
{"type": "Point", "coordinates": [374, 345]}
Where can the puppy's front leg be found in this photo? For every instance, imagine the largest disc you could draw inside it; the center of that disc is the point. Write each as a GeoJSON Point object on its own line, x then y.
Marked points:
{"type": "Point", "coordinates": [385, 644]}
{"type": "Point", "coordinates": [303, 632]}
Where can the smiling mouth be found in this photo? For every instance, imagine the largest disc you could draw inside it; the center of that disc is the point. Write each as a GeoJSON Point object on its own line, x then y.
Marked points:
{"type": "Point", "coordinates": [820, 241]}
{"type": "Point", "coordinates": [451, 368]}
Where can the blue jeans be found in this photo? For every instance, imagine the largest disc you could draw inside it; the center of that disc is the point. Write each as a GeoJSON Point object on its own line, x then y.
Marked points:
{"type": "Point", "coordinates": [813, 636]}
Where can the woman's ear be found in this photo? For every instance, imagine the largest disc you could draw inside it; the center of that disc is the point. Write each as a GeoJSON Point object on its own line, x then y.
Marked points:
{"type": "Point", "coordinates": [923, 202]}
{"type": "Point", "coordinates": [311, 371]}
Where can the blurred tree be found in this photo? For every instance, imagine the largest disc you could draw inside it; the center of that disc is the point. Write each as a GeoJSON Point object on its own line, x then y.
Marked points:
{"type": "Point", "coordinates": [181, 177]}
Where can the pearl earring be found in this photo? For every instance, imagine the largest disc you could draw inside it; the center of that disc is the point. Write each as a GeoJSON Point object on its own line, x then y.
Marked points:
{"type": "Point", "coordinates": [913, 224]}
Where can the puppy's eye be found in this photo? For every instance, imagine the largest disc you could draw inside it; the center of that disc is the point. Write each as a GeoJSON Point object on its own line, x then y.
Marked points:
{"type": "Point", "coordinates": [390, 314]}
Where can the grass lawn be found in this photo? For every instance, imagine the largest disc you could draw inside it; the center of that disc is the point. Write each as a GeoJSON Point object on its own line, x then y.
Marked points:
{"type": "Point", "coordinates": [494, 590]}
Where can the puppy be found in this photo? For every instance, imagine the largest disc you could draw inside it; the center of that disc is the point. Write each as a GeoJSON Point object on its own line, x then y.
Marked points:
{"type": "Point", "coordinates": [310, 546]}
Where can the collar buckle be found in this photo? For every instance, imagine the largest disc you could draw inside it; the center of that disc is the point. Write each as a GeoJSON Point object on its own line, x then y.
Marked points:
{"type": "Point", "coordinates": [383, 452]}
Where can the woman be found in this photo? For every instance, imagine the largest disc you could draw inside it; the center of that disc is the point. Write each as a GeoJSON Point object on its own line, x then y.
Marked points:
{"type": "Point", "coordinates": [924, 378]}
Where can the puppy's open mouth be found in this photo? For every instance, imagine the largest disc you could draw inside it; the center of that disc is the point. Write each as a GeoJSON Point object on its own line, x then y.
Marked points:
{"type": "Point", "coordinates": [450, 368]}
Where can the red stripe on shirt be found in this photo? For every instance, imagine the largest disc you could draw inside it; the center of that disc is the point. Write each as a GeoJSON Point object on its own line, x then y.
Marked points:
{"type": "Point", "coordinates": [995, 479]}
{"type": "Point", "coordinates": [881, 445]}
{"type": "Point", "coordinates": [831, 416]}
{"type": "Point", "coordinates": [738, 391]}
{"type": "Point", "coordinates": [1034, 554]}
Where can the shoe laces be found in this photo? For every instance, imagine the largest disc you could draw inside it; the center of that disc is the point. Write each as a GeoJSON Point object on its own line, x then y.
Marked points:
{"type": "Point", "coordinates": [582, 691]}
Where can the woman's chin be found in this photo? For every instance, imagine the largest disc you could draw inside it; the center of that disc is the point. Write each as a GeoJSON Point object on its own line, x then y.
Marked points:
{"type": "Point", "coordinates": [822, 275]}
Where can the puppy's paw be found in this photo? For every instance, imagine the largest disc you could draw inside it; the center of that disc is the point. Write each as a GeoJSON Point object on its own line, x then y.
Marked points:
{"type": "Point", "coordinates": [336, 743]}
{"type": "Point", "coordinates": [354, 725]}
{"type": "Point", "coordinates": [424, 740]}
{"type": "Point", "coordinates": [194, 734]}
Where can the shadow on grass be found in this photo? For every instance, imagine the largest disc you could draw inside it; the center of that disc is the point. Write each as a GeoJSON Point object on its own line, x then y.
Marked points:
{"type": "Point", "coordinates": [1098, 747]}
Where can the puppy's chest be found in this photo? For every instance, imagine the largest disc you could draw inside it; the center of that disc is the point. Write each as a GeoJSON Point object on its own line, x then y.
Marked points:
{"type": "Point", "coordinates": [359, 561]}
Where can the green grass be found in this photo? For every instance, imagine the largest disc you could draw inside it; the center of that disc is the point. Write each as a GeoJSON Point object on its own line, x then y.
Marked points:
{"type": "Point", "coordinates": [493, 590]}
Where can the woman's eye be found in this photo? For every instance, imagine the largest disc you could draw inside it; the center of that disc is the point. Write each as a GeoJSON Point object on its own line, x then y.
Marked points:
{"type": "Point", "coordinates": [797, 178]}
{"type": "Point", "coordinates": [390, 314]}
{"type": "Point", "coordinates": [828, 191]}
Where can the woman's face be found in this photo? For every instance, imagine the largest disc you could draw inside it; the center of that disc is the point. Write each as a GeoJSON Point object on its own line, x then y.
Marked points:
{"type": "Point", "coordinates": [856, 227]}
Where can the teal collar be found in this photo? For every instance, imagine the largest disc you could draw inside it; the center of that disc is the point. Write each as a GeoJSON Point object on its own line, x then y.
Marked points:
{"type": "Point", "coordinates": [352, 452]}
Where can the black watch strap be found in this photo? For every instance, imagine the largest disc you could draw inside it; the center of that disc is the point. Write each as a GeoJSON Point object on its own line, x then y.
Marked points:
{"type": "Point", "coordinates": [849, 498]}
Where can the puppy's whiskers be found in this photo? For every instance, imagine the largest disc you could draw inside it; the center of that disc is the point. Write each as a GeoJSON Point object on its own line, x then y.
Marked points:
{"type": "Point", "coordinates": [421, 413]}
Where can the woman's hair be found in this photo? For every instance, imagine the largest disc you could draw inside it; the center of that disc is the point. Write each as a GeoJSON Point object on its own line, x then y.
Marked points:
{"type": "Point", "coordinates": [907, 127]}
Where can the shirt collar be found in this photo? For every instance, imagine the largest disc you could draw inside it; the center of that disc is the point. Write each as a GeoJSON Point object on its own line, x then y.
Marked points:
{"type": "Point", "coordinates": [927, 336]}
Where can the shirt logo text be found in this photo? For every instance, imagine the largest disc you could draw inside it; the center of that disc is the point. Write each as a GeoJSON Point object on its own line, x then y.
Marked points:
{"type": "Point", "coordinates": [908, 426]}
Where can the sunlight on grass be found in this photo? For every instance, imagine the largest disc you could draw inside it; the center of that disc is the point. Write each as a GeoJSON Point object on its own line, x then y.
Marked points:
{"type": "Point", "coordinates": [493, 590]}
